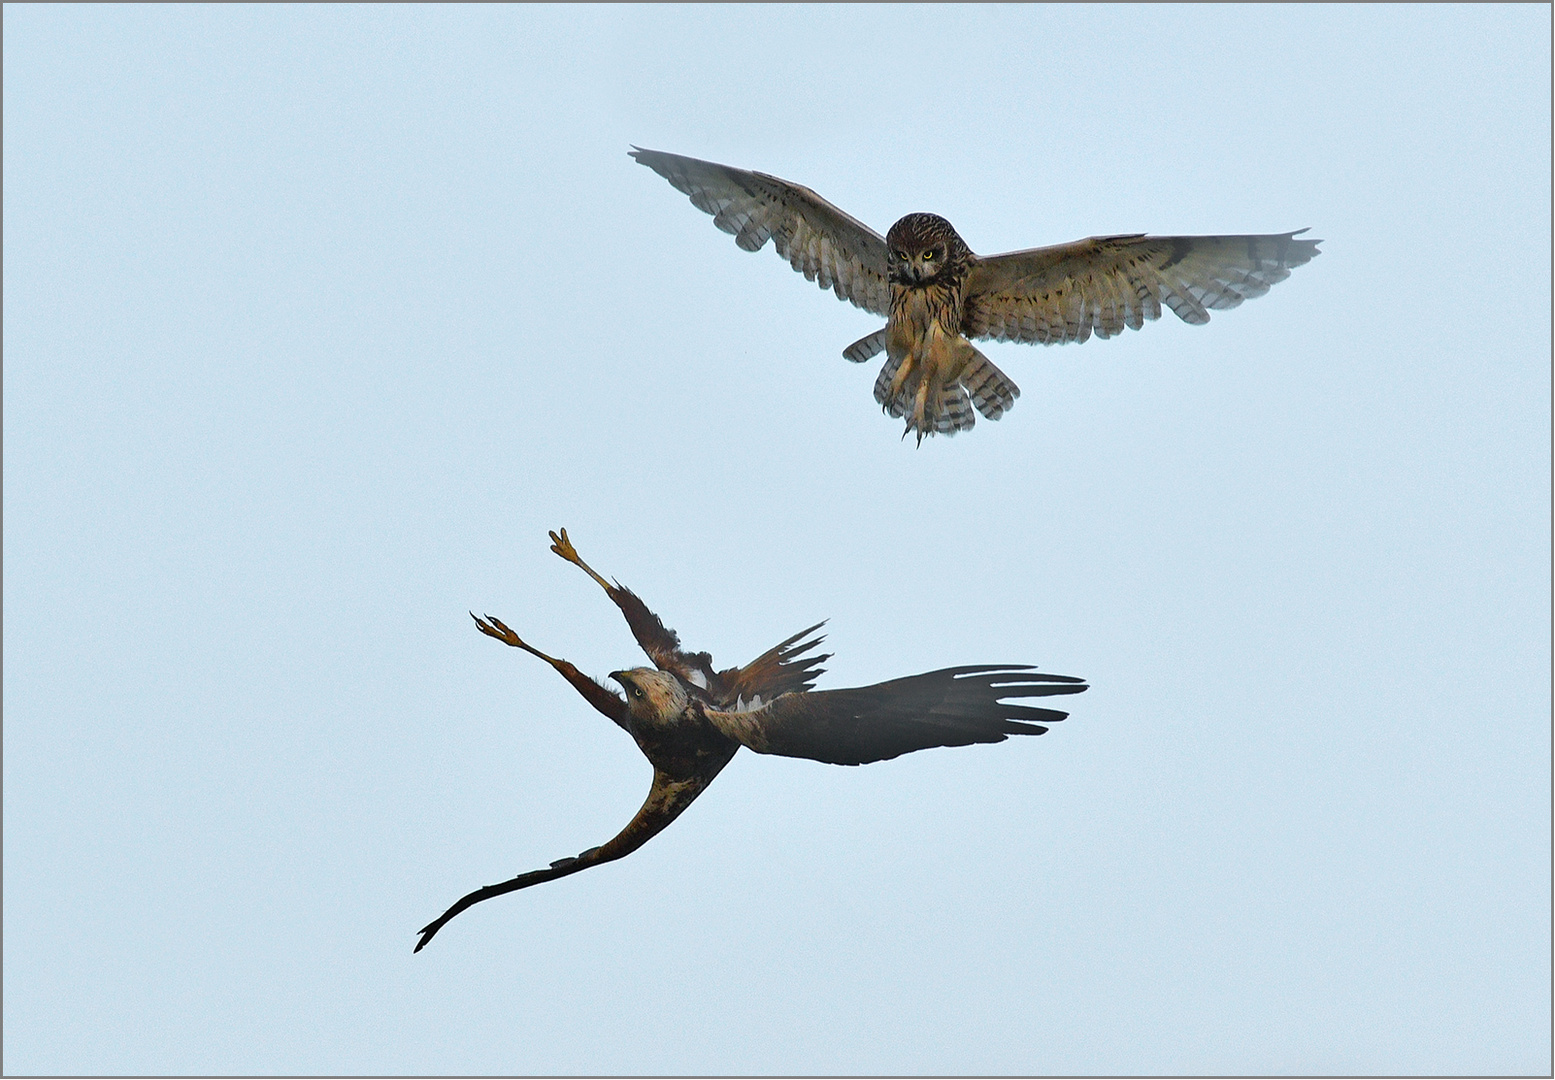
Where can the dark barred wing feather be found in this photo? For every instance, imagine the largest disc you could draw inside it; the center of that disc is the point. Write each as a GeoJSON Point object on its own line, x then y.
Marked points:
{"type": "Point", "coordinates": [951, 707]}
{"type": "Point", "coordinates": [827, 246]}
{"type": "Point", "coordinates": [1067, 292]}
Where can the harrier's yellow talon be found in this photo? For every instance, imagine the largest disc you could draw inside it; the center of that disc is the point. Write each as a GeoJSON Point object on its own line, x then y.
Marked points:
{"type": "Point", "coordinates": [563, 547]}
{"type": "Point", "coordinates": [497, 629]}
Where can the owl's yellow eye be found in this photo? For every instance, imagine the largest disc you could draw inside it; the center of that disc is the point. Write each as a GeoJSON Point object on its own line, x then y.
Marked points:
{"type": "Point", "coordinates": [902, 255]}
{"type": "Point", "coordinates": [928, 256]}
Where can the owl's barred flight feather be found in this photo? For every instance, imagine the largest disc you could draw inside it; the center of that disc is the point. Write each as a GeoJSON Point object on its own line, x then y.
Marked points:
{"type": "Point", "coordinates": [1049, 295]}
{"type": "Point", "coordinates": [689, 720]}
{"type": "Point", "coordinates": [824, 244]}
{"type": "Point", "coordinates": [1055, 295]}
{"type": "Point", "coordinates": [993, 393]}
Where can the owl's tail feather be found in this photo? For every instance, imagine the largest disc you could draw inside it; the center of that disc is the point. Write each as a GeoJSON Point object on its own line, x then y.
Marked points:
{"type": "Point", "coordinates": [902, 402]}
{"type": "Point", "coordinates": [946, 410]}
{"type": "Point", "coordinates": [865, 347]}
{"type": "Point", "coordinates": [993, 392]}
{"type": "Point", "coordinates": [952, 413]}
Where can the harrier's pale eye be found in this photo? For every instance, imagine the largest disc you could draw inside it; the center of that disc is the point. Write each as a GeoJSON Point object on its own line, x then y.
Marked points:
{"type": "Point", "coordinates": [637, 691]}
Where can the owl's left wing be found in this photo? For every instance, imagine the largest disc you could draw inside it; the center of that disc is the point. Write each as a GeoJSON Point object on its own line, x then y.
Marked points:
{"type": "Point", "coordinates": [951, 707]}
{"type": "Point", "coordinates": [1063, 293]}
{"type": "Point", "coordinates": [827, 246]}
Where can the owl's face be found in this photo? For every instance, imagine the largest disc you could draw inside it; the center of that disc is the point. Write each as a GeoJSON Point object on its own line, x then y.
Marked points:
{"type": "Point", "coordinates": [923, 248]}
{"type": "Point", "coordinates": [652, 696]}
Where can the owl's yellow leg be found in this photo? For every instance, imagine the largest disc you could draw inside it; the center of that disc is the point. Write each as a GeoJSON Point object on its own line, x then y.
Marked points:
{"type": "Point", "coordinates": [920, 404]}
{"type": "Point", "coordinates": [903, 373]}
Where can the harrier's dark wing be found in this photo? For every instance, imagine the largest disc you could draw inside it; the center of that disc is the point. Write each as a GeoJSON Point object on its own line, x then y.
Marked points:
{"type": "Point", "coordinates": [951, 707]}
{"type": "Point", "coordinates": [827, 246]}
{"type": "Point", "coordinates": [782, 669]}
{"type": "Point", "coordinates": [666, 799]}
{"type": "Point", "coordinates": [657, 640]}
{"type": "Point", "coordinates": [1063, 293]}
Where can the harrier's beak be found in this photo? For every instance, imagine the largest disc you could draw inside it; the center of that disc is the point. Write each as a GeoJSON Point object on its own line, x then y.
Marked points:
{"type": "Point", "coordinates": [620, 677]}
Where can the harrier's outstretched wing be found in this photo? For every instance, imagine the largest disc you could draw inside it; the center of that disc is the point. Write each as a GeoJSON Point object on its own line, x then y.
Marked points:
{"type": "Point", "coordinates": [951, 707]}
{"type": "Point", "coordinates": [657, 640]}
{"type": "Point", "coordinates": [1058, 294]}
{"type": "Point", "coordinates": [827, 246]}
{"type": "Point", "coordinates": [666, 799]}
{"type": "Point", "coordinates": [780, 670]}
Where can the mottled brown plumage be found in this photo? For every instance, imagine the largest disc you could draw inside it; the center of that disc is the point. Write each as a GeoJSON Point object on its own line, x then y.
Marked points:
{"type": "Point", "coordinates": [935, 293]}
{"type": "Point", "coordinates": [689, 720]}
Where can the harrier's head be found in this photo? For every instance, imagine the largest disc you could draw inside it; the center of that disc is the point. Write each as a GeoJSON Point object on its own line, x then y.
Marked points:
{"type": "Point", "coordinates": [924, 247]}
{"type": "Point", "coordinates": [653, 696]}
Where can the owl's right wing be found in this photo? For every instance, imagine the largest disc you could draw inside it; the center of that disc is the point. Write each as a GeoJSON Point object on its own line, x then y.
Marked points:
{"type": "Point", "coordinates": [827, 246]}
{"type": "Point", "coordinates": [1062, 293]}
{"type": "Point", "coordinates": [951, 707]}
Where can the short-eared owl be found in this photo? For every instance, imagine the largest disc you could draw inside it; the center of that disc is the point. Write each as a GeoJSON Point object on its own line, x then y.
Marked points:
{"type": "Point", "coordinates": [935, 293]}
{"type": "Point", "coordinates": [689, 719]}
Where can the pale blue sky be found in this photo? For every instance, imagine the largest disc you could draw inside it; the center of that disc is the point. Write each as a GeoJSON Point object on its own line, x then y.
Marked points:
{"type": "Point", "coordinates": [316, 319]}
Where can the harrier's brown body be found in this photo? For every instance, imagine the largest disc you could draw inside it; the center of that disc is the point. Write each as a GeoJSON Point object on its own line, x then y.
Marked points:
{"type": "Point", "coordinates": [689, 720]}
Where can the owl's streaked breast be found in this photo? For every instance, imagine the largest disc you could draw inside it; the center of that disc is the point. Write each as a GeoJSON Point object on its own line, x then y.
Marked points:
{"type": "Point", "coordinates": [919, 314]}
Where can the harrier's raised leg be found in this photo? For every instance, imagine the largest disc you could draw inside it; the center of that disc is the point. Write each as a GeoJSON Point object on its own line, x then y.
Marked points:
{"type": "Point", "coordinates": [657, 640]}
{"type": "Point", "coordinates": [563, 547]}
{"type": "Point", "coordinates": [605, 701]}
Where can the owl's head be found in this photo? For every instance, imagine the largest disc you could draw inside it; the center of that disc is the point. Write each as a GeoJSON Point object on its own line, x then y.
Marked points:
{"type": "Point", "coordinates": [652, 696]}
{"type": "Point", "coordinates": [924, 247]}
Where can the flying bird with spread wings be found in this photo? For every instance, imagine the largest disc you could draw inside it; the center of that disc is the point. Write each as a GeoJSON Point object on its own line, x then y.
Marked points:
{"type": "Point", "coordinates": [935, 294]}
{"type": "Point", "coordinates": [689, 719]}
